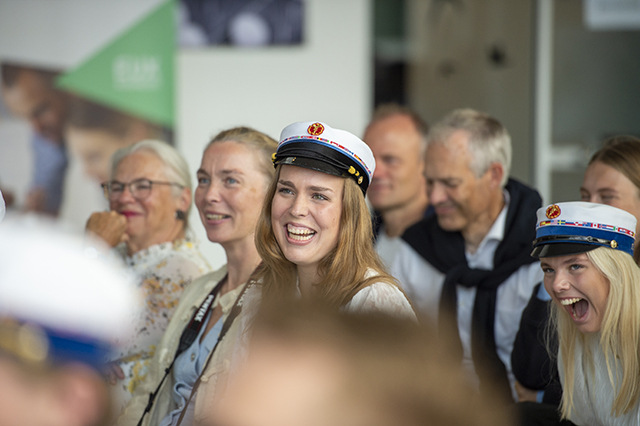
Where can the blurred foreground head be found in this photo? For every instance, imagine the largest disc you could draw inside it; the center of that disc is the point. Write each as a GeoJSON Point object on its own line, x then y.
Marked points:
{"type": "Point", "coordinates": [309, 367]}
{"type": "Point", "coordinates": [62, 306]}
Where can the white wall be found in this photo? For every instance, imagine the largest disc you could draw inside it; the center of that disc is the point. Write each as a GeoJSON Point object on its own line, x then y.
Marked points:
{"type": "Point", "coordinates": [450, 68]}
{"type": "Point", "coordinates": [327, 78]}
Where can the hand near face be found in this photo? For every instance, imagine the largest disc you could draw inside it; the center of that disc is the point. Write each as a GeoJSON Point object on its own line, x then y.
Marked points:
{"type": "Point", "coordinates": [113, 373]}
{"type": "Point", "coordinates": [109, 226]}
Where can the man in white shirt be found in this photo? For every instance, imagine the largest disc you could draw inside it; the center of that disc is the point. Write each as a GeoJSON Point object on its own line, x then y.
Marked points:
{"type": "Point", "coordinates": [397, 138]}
{"type": "Point", "coordinates": [468, 267]}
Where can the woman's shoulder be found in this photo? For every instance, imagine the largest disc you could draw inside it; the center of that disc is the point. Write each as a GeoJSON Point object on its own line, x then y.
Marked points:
{"type": "Point", "coordinates": [381, 296]}
{"type": "Point", "coordinates": [204, 283]}
{"type": "Point", "coordinates": [187, 252]}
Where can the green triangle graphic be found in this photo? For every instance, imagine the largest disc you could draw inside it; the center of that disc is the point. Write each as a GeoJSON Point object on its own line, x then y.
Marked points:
{"type": "Point", "coordinates": [135, 72]}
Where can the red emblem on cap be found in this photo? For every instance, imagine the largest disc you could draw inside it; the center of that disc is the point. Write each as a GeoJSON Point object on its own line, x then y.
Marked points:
{"type": "Point", "coordinates": [553, 211]}
{"type": "Point", "coordinates": [315, 129]}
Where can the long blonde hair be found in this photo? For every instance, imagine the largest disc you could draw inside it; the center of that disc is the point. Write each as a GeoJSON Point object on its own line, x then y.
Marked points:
{"type": "Point", "coordinates": [342, 270]}
{"type": "Point", "coordinates": [619, 334]}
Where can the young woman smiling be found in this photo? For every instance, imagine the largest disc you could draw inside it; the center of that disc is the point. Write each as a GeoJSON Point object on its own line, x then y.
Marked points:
{"type": "Point", "coordinates": [586, 253]}
{"type": "Point", "coordinates": [314, 234]}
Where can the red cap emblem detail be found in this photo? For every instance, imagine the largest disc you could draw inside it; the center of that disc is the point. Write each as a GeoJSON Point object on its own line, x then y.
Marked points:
{"type": "Point", "coordinates": [553, 211]}
{"type": "Point", "coordinates": [315, 129]}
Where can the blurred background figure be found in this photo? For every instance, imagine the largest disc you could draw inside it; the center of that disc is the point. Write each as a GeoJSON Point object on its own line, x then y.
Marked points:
{"type": "Point", "coordinates": [29, 93]}
{"type": "Point", "coordinates": [150, 199]}
{"type": "Point", "coordinates": [318, 368]}
{"type": "Point", "coordinates": [58, 320]}
{"type": "Point", "coordinates": [94, 132]}
{"type": "Point", "coordinates": [398, 191]}
{"type": "Point", "coordinates": [613, 178]}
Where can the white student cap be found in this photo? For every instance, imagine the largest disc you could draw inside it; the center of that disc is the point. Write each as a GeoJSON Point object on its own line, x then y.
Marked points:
{"type": "Point", "coordinates": [70, 300]}
{"type": "Point", "coordinates": [317, 146]}
{"type": "Point", "coordinates": [577, 227]}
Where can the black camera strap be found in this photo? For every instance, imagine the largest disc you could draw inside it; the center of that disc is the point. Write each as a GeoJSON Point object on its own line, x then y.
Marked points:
{"type": "Point", "coordinates": [187, 338]}
{"type": "Point", "coordinates": [235, 311]}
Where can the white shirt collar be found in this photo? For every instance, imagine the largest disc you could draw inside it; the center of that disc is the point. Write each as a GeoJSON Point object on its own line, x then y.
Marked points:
{"type": "Point", "coordinates": [483, 257]}
{"type": "Point", "coordinates": [497, 229]}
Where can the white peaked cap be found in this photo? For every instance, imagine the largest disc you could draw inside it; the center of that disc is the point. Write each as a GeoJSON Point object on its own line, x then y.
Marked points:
{"type": "Point", "coordinates": [58, 282]}
{"type": "Point", "coordinates": [316, 145]}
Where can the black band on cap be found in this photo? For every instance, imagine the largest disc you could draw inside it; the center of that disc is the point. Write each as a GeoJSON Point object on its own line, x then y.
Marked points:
{"type": "Point", "coordinates": [578, 239]}
{"type": "Point", "coordinates": [561, 245]}
{"type": "Point", "coordinates": [561, 249]}
{"type": "Point", "coordinates": [316, 156]}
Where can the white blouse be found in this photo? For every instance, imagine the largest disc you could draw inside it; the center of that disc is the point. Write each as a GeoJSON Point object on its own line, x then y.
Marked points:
{"type": "Point", "coordinates": [163, 271]}
{"type": "Point", "coordinates": [379, 297]}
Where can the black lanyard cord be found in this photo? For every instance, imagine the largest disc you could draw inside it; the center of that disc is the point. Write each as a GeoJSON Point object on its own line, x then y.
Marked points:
{"type": "Point", "coordinates": [187, 338]}
{"type": "Point", "coordinates": [192, 330]}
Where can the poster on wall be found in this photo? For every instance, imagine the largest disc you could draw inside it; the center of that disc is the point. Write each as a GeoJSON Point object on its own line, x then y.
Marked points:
{"type": "Point", "coordinates": [120, 93]}
{"type": "Point", "coordinates": [240, 23]}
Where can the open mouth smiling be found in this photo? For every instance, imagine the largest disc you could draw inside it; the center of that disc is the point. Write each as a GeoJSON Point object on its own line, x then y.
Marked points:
{"type": "Point", "coordinates": [576, 306]}
{"type": "Point", "coordinates": [298, 233]}
{"type": "Point", "coordinates": [216, 216]}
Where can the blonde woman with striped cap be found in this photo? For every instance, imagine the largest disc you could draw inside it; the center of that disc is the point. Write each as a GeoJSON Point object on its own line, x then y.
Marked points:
{"type": "Point", "coordinates": [586, 254]}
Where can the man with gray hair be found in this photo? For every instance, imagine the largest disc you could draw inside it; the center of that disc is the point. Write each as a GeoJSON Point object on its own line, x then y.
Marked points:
{"type": "Point", "coordinates": [469, 265]}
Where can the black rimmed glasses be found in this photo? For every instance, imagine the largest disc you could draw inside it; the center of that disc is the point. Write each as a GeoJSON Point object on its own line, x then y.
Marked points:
{"type": "Point", "coordinates": [139, 188]}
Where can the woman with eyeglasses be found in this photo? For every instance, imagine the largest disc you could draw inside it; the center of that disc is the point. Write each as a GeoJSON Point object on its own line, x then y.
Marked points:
{"type": "Point", "coordinates": [150, 198]}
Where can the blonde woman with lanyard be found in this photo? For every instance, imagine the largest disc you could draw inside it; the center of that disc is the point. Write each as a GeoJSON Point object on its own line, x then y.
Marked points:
{"type": "Point", "coordinates": [586, 254]}
{"type": "Point", "coordinates": [232, 180]}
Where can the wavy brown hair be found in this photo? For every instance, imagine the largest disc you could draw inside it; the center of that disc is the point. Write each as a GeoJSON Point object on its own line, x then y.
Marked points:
{"type": "Point", "coordinates": [343, 269]}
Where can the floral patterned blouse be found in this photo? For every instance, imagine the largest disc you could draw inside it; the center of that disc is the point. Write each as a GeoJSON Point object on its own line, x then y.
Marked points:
{"type": "Point", "coordinates": [163, 271]}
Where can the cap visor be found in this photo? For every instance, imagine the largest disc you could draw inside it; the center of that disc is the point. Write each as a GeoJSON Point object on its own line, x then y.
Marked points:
{"type": "Point", "coordinates": [312, 164]}
{"type": "Point", "coordinates": [561, 249]}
